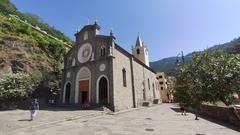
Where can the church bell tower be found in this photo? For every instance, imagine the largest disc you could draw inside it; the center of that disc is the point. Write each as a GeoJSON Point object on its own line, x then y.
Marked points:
{"type": "Point", "coordinates": [140, 51]}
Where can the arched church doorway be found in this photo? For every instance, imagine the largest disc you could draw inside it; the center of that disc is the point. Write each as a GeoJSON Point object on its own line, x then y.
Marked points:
{"type": "Point", "coordinates": [103, 91]}
{"type": "Point", "coordinates": [67, 93]}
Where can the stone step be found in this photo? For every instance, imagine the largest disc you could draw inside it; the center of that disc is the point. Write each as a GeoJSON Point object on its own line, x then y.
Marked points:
{"type": "Point", "coordinates": [146, 103]}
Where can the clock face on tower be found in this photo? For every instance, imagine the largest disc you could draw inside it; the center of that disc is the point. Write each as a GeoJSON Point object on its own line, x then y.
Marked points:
{"type": "Point", "coordinates": [84, 52]}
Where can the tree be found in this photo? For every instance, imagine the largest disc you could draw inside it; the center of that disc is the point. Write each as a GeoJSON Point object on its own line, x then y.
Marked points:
{"type": "Point", "coordinates": [211, 76]}
{"type": "Point", "coordinates": [6, 7]}
{"type": "Point", "coordinates": [189, 85]}
{"type": "Point", "coordinates": [222, 76]}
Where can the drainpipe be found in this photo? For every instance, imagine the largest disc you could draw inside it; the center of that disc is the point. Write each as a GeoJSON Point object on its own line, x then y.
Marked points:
{"type": "Point", "coordinates": [133, 88]}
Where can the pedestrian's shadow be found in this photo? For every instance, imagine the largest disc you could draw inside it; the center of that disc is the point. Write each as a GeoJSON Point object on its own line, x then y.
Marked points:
{"type": "Point", "coordinates": [24, 120]}
{"type": "Point", "coordinates": [176, 109]}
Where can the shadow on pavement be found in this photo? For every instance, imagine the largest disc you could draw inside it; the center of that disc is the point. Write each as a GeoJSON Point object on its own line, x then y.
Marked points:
{"type": "Point", "coordinates": [24, 120]}
{"type": "Point", "coordinates": [176, 109]}
{"type": "Point", "coordinates": [221, 123]}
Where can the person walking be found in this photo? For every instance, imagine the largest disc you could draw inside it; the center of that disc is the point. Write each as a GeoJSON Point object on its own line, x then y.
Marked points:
{"type": "Point", "coordinates": [182, 108]}
{"type": "Point", "coordinates": [33, 109]}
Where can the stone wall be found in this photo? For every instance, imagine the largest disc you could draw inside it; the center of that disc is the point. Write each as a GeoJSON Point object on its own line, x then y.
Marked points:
{"type": "Point", "coordinates": [141, 76]}
{"type": "Point", "coordinates": [226, 114]}
{"type": "Point", "coordinates": [144, 82]}
{"type": "Point", "coordinates": [123, 98]}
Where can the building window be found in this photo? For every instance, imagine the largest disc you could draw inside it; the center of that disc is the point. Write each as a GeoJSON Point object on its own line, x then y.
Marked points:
{"type": "Point", "coordinates": [85, 37]}
{"type": "Point", "coordinates": [103, 51]}
{"type": "Point", "coordinates": [138, 51]}
{"type": "Point", "coordinates": [160, 76]}
{"type": "Point", "coordinates": [161, 88]}
{"type": "Point", "coordinates": [124, 78]}
{"type": "Point", "coordinates": [161, 83]}
{"type": "Point", "coordinates": [154, 96]}
{"type": "Point", "coordinates": [148, 84]}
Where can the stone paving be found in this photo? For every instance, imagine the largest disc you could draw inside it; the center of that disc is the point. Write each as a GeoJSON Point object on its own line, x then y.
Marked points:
{"type": "Point", "coordinates": [156, 120]}
{"type": "Point", "coordinates": [17, 120]}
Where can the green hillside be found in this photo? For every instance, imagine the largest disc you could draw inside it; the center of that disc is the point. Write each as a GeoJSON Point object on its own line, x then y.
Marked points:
{"type": "Point", "coordinates": [12, 28]}
{"type": "Point", "coordinates": [168, 65]}
{"type": "Point", "coordinates": [6, 8]}
{"type": "Point", "coordinates": [29, 48]}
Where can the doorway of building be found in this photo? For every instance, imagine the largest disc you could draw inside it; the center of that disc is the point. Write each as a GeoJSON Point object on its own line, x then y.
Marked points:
{"type": "Point", "coordinates": [83, 91]}
{"type": "Point", "coordinates": [84, 97]}
{"type": "Point", "coordinates": [67, 93]}
{"type": "Point", "coordinates": [103, 91]}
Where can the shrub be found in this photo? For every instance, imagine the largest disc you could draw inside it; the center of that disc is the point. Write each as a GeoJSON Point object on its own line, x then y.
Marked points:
{"type": "Point", "coordinates": [15, 87]}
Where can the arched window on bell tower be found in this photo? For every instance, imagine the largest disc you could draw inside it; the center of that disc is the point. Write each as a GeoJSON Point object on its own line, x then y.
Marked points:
{"type": "Point", "coordinates": [138, 51]}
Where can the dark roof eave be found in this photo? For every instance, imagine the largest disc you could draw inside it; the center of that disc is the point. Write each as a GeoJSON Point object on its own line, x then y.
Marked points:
{"type": "Point", "coordinates": [134, 58]}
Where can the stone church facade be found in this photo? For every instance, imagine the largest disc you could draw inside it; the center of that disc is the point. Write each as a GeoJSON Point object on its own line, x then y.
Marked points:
{"type": "Point", "coordinates": [100, 72]}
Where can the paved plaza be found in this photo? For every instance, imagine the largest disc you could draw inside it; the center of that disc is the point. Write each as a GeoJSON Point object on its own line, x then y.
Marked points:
{"type": "Point", "coordinates": [157, 120]}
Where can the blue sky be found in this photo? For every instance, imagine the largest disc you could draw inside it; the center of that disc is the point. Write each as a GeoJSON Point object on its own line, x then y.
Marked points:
{"type": "Point", "coordinates": [167, 27]}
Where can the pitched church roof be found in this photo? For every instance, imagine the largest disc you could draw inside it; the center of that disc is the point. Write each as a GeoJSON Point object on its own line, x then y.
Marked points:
{"type": "Point", "coordinates": [119, 48]}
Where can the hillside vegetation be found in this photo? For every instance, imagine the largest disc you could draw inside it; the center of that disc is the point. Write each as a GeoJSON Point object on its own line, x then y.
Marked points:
{"type": "Point", "coordinates": [6, 8]}
{"type": "Point", "coordinates": [11, 29]}
{"type": "Point", "coordinates": [23, 49]}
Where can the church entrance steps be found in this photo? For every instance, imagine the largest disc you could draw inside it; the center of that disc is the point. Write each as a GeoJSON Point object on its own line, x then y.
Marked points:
{"type": "Point", "coordinates": [156, 101]}
{"type": "Point", "coordinates": [146, 103]}
{"type": "Point", "coordinates": [107, 110]}
{"type": "Point", "coordinates": [134, 109]}
{"type": "Point", "coordinates": [80, 107]}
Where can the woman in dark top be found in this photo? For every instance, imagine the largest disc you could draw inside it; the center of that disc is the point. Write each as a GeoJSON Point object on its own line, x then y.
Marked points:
{"type": "Point", "coordinates": [33, 109]}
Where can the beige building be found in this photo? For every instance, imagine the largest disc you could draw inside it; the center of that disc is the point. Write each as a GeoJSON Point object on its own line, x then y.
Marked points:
{"type": "Point", "coordinates": [163, 86]}
{"type": "Point", "coordinates": [171, 82]}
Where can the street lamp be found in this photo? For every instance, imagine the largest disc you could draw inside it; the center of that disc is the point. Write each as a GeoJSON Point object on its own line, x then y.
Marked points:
{"type": "Point", "coordinates": [182, 57]}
